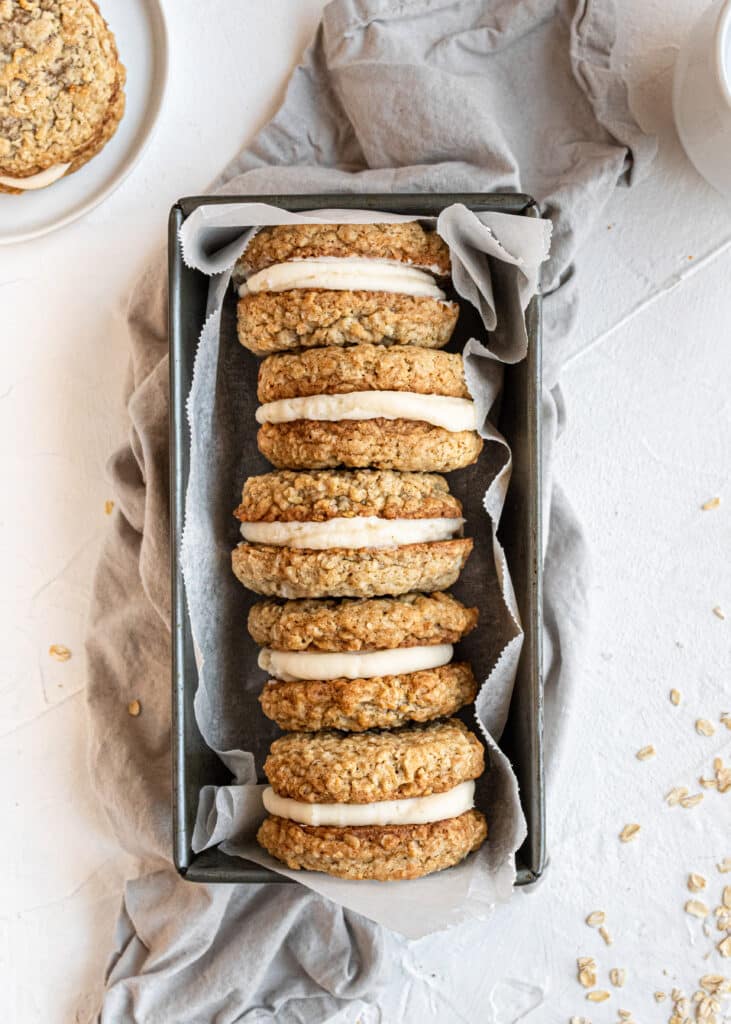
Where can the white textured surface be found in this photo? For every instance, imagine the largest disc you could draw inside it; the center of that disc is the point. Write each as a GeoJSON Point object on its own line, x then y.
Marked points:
{"type": "Point", "coordinates": [649, 393]}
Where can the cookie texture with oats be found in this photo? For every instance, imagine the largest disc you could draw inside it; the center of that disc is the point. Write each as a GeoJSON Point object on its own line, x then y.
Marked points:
{"type": "Point", "coordinates": [305, 318]}
{"type": "Point", "coordinates": [332, 767]}
{"type": "Point", "coordinates": [382, 853]}
{"type": "Point", "coordinates": [408, 243]}
{"type": "Point", "coordinates": [405, 445]}
{"type": "Point", "coordinates": [379, 702]}
{"type": "Point", "coordinates": [384, 623]}
{"type": "Point", "coordinates": [350, 572]}
{"type": "Point", "coordinates": [61, 86]}
{"type": "Point", "coordinates": [289, 496]}
{"type": "Point", "coordinates": [340, 371]}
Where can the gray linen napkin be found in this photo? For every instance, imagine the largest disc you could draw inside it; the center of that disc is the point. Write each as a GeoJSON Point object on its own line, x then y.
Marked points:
{"type": "Point", "coordinates": [411, 95]}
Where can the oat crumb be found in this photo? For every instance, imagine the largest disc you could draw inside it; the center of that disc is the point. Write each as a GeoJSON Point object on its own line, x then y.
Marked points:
{"type": "Point", "coordinates": [719, 612]}
{"type": "Point", "coordinates": [645, 752]}
{"type": "Point", "coordinates": [606, 936]}
{"type": "Point", "coordinates": [724, 866]}
{"type": "Point", "coordinates": [617, 976]}
{"type": "Point", "coordinates": [712, 503]}
{"type": "Point", "coordinates": [134, 708]}
{"type": "Point", "coordinates": [675, 697]}
{"type": "Point", "coordinates": [59, 653]}
{"type": "Point", "coordinates": [629, 832]}
{"type": "Point", "coordinates": [108, 507]}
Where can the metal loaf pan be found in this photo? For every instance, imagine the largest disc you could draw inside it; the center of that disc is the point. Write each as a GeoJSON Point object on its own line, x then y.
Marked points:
{"type": "Point", "coordinates": [194, 764]}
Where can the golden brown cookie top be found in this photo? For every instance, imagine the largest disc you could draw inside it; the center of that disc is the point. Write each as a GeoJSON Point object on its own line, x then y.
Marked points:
{"type": "Point", "coordinates": [384, 623]}
{"type": "Point", "coordinates": [341, 371]}
{"type": "Point", "coordinates": [407, 242]}
{"type": "Point", "coordinates": [318, 495]}
{"type": "Point", "coordinates": [60, 80]}
{"type": "Point", "coordinates": [361, 768]}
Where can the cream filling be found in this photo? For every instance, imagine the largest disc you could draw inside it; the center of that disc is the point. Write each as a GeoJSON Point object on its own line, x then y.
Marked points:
{"type": "Point", "coordinates": [34, 181]}
{"type": "Point", "coordinates": [350, 273]}
{"type": "Point", "coordinates": [353, 532]}
{"type": "Point", "coordinates": [295, 665]}
{"type": "Point", "coordinates": [453, 414]}
{"type": "Point", "coordinates": [416, 810]}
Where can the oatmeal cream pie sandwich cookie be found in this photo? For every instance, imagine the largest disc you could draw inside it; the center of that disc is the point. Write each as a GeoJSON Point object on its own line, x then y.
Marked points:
{"type": "Point", "coordinates": [362, 664]}
{"type": "Point", "coordinates": [61, 90]}
{"type": "Point", "coordinates": [311, 285]}
{"type": "Point", "coordinates": [375, 805]}
{"type": "Point", "coordinates": [400, 408]}
{"type": "Point", "coordinates": [365, 533]}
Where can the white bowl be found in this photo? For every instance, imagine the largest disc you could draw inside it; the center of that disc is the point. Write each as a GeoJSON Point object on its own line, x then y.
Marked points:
{"type": "Point", "coordinates": [702, 95]}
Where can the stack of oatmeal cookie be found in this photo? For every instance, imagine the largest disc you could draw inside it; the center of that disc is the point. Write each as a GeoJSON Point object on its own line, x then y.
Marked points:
{"type": "Point", "coordinates": [354, 539]}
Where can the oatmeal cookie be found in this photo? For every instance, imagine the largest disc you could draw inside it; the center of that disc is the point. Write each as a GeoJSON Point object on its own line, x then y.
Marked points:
{"type": "Point", "coordinates": [61, 89]}
{"type": "Point", "coordinates": [407, 445]}
{"type": "Point", "coordinates": [349, 572]}
{"type": "Point", "coordinates": [382, 853]}
{"type": "Point", "coordinates": [412, 620]}
{"type": "Point", "coordinates": [317, 496]}
{"type": "Point", "coordinates": [304, 318]}
{"type": "Point", "coordinates": [380, 702]}
{"type": "Point", "coordinates": [339, 371]}
{"type": "Point", "coordinates": [413, 761]}
{"type": "Point", "coordinates": [406, 242]}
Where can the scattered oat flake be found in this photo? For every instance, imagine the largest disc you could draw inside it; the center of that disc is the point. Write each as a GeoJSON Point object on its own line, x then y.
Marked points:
{"type": "Point", "coordinates": [586, 971]}
{"type": "Point", "coordinates": [617, 976]}
{"type": "Point", "coordinates": [675, 697]}
{"type": "Point", "coordinates": [712, 503]}
{"type": "Point", "coordinates": [691, 801]}
{"type": "Point", "coordinates": [696, 883]}
{"type": "Point", "coordinates": [645, 752]}
{"type": "Point", "coordinates": [725, 719]}
{"type": "Point", "coordinates": [629, 832]}
{"type": "Point", "coordinates": [726, 898]}
{"type": "Point", "coordinates": [595, 918]}
{"type": "Point", "coordinates": [724, 947]}
{"type": "Point", "coordinates": [59, 652]}
{"type": "Point", "coordinates": [696, 908]}
{"type": "Point", "coordinates": [579, 1020]}
{"type": "Point", "coordinates": [108, 507]}
{"type": "Point", "coordinates": [707, 783]}
{"type": "Point", "coordinates": [599, 995]}
{"type": "Point", "coordinates": [134, 708]}
{"type": "Point", "coordinates": [660, 997]}
{"type": "Point", "coordinates": [704, 728]}
{"type": "Point", "coordinates": [724, 866]}
{"type": "Point", "coordinates": [711, 982]}
{"type": "Point", "coordinates": [606, 936]}
{"type": "Point", "coordinates": [719, 612]}
{"type": "Point", "coordinates": [676, 795]}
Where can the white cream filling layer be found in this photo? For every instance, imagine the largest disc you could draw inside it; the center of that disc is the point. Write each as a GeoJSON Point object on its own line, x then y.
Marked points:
{"type": "Point", "coordinates": [34, 181]}
{"type": "Point", "coordinates": [292, 665]}
{"type": "Point", "coordinates": [453, 414]}
{"type": "Point", "coordinates": [350, 273]}
{"type": "Point", "coordinates": [353, 532]}
{"type": "Point", "coordinates": [417, 810]}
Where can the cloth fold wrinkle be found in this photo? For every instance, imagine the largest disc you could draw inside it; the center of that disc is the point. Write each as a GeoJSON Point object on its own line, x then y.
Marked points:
{"type": "Point", "coordinates": [545, 107]}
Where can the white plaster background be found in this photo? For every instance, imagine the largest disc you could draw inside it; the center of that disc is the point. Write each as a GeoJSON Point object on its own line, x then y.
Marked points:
{"type": "Point", "coordinates": [649, 394]}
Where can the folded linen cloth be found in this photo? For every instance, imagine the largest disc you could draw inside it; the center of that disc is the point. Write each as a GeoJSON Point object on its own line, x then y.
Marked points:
{"type": "Point", "coordinates": [436, 95]}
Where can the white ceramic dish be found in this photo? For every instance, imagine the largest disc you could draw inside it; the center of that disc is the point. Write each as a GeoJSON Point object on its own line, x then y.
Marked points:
{"type": "Point", "coordinates": [139, 27]}
{"type": "Point", "coordinates": [702, 95]}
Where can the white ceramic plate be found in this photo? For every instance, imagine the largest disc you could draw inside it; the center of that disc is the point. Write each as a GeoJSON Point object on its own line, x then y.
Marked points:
{"type": "Point", "coordinates": [139, 27]}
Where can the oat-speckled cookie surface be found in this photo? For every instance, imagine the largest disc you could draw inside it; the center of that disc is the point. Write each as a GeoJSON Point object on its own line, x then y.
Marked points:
{"type": "Point", "coordinates": [309, 318]}
{"type": "Point", "coordinates": [380, 702]}
{"type": "Point", "coordinates": [61, 85]}
{"type": "Point", "coordinates": [412, 620]}
{"type": "Point", "coordinates": [340, 371]}
{"type": "Point", "coordinates": [407, 445]}
{"type": "Point", "coordinates": [406, 242]}
{"type": "Point", "coordinates": [318, 496]}
{"type": "Point", "coordinates": [361, 768]}
{"type": "Point", "coordinates": [349, 572]}
{"type": "Point", "coordinates": [382, 853]}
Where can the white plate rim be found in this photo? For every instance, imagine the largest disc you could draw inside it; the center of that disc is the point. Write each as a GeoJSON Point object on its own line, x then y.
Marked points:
{"type": "Point", "coordinates": [162, 39]}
